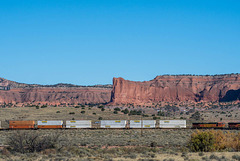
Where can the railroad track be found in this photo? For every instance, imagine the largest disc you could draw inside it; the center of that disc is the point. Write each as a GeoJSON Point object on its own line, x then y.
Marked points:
{"type": "Point", "coordinates": [145, 129]}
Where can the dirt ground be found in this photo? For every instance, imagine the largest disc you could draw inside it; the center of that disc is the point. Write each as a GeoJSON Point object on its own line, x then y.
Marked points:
{"type": "Point", "coordinates": [221, 156]}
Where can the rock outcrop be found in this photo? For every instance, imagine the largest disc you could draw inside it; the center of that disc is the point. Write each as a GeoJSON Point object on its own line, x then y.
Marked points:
{"type": "Point", "coordinates": [13, 92]}
{"type": "Point", "coordinates": [166, 88]}
{"type": "Point", "coordinates": [177, 88]}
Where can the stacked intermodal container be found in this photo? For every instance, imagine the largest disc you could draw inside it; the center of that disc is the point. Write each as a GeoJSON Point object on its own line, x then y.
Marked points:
{"type": "Point", "coordinates": [21, 124]}
{"type": "Point", "coordinates": [172, 124]}
{"type": "Point", "coordinates": [50, 124]}
{"type": "Point", "coordinates": [78, 124]}
{"type": "Point", "coordinates": [142, 123]}
{"type": "Point", "coordinates": [113, 123]}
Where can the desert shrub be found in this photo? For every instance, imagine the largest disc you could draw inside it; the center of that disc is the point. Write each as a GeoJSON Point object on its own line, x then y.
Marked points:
{"type": "Point", "coordinates": [83, 112]}
{"type": "Point", "coordinates": [170, 159]}
{"type": "Point", "coordinates": [236, 157]}
{"type": "Point", "coordinates": [153, 144]}
{"type": "Point", "coordinates": [77, 106]}
{"type": "Point", "coordinates": [94, 113]}
{"type": "Point", "coordinates": [201, 154]}
{"type": "Point", "coordinates": [227, 141]}
{"type": "Point", "coordinates": [160, 113]}
{"type": "Point", "coordinates": [212, 157]}
{"type": "Point", "coordinates": [43, 106]}
{"type": "Point", "coordinates": [202, 141]}
{"type": "Point", "coordinates": [131, 156]}
{"type": "Point", "coordinates": [58, 112]}
{"type": "Point", "coordinates": [71, 113]}
{"type": "Point", "coordinates": [155, 118]}
{"type": "Point", "coordinates": [135, 112]}
{"type": "Point", "coordinates": [196, 116]}
{"type": "Point", "coordinates": [214, 141]}
{"type": "Point", "coordinates": [29, 142]}
{"type": "Point", "coordinates": [101, 106]}
{"type": "Point", "coordinates": [205, 158]}
{"type": "Point", "coordinates": [125, 111]}
{"type": "Point", "coordinates": [100, 118]}
{"type": "Point", "coordinates": [223, 158]}
{"type": "Point", "coordinates": [184, 154]}
{"type": "Point", "coordinates": [102, 109]}
{"type": "Point", "coordinates": [117, 109]}
{"type": "Point", "coordinates": [115, 112]}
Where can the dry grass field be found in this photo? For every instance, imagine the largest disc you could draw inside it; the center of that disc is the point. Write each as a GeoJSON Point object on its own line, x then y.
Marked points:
{"type": "Point", "coordinates": [112, 144]}
{"type": "Point", "coordinates": [223, 114]}
{"type": "Point", "coordinates": [60, 113]}
{"type": "Point", "coordinates": [116, 145]}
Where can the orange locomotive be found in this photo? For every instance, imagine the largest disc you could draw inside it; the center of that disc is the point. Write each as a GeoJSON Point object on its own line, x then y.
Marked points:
{"type": "Point", "coordinates": [234, 125]}
{"type": "Point", "coordinates": [209, 125]}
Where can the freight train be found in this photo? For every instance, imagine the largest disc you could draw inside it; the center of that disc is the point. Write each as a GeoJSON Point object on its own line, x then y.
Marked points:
{"type": "Point", "coordinates": [118, 124]}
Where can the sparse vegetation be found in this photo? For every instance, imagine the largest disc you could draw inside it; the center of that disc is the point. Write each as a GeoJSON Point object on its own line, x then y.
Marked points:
{"type": "Point", "coordinates": [82, 112]}
{"type": "Point", "coordinates": [30, 141]}
{"type": "Point", "coordinates": [207, 141]}
{"type": "Point", "coordinates": [112, 144]}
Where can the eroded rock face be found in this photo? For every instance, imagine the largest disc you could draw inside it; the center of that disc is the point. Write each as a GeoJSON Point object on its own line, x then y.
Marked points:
{"type": "Point", "coordinates": [13, 92]}
{"type": "Point", "coordinates": [177, 88]}
{"type": "Point", "coordinates": [56, 95]}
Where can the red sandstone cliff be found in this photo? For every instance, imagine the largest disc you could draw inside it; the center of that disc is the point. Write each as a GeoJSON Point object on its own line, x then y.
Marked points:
{"type": "Point", "coordinates": [177, 88]}
{"type": "Point", "coordinates": [13, 92]}
{"type": "Point", "coordinates": [162, 88]}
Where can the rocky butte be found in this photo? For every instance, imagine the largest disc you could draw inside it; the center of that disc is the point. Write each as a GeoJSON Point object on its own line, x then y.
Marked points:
{"type": "Point", "coordinates": [177, 88]}
{"type": "Point", "coordinates": [13, 92]}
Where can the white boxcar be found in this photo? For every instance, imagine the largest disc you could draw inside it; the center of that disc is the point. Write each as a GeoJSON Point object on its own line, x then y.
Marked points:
{"type": "Point", "coordinates": [78, 124]}
{"type": "Point", "coordinates": [144, 124]}
{"type": "Point", "coordinates": [113, 123]}
{"type": "Point", "coordinates": [172, 124]}
{"type": "Point", "coordinates": [50, 122]}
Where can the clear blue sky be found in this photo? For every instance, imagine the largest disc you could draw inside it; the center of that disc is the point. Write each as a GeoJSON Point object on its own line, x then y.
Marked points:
{"type": "Point", "coordinates": [89, 42]}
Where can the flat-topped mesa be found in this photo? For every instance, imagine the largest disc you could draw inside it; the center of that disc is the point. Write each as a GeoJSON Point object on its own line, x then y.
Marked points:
{"type": "Point", "coordinates": [13, 92]}
{"type": "Point", "coordinates": [177, 88]}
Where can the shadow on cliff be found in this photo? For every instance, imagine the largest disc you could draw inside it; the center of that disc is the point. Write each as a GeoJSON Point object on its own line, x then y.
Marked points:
{"type": "Point", "coordinates": [231, 95]}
